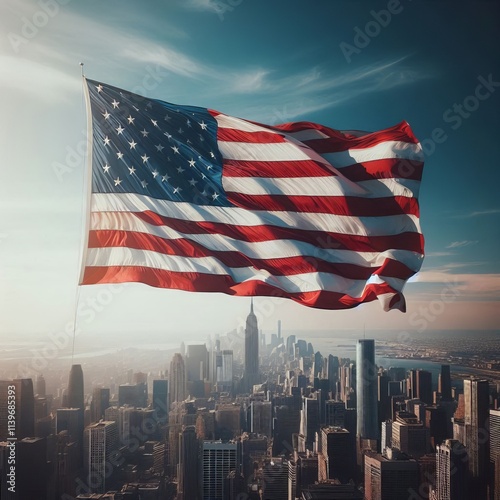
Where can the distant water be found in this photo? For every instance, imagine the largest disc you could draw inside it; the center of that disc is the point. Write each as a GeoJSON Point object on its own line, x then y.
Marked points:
{"type": "Point", "coordinates": [339, 343]}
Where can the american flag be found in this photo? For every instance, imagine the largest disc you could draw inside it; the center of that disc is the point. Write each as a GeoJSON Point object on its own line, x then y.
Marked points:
{"type": "Point", "coordinates": [192, 199]}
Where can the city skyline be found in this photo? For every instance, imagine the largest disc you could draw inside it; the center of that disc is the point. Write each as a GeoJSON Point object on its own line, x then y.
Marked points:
{"type": "Point", "coordinates": [305, 411]}
{"type": "Point", "coordinates": [188, 396]}
{"type": "Point", "coordinates": [341, 68]}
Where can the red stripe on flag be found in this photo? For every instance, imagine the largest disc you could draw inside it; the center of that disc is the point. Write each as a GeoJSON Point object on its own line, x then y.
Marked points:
{"type": "Point", "coordinates": [260, 137]}
{"type": "Point", "coordinates": [412, 241]}
{"type": "Point", "coordinates": [338, 205]}
{"type": "Point", "coordinates": [270, 169]}
{"type": "Point", "coordinates": [389, 168]}
{"type": "Point", "coordinates": [337, 141]}
{"type": "Point", "coordinates": [366, 171]}
{"type": "Point", "coordinates": [278, 267]}
{"type": "Point", "coordinates": [196, 282]}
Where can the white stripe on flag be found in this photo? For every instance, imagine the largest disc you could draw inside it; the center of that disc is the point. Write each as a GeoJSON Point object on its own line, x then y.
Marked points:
{"type": "Point", "coordinates": [275, 249]}
{"type": "Point", "coordinates": [343, 224]}
{"type": "Point", "coordinates": [382, 151]}
{"type": "Point", "coordinates": [322, 186]}
{"type": "Point", "coordinates": [306, 282]}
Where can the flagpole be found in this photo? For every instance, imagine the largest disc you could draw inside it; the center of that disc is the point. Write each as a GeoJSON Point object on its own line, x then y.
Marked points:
{"type": "Point", "coordinates": [75, 319]}
{"type": "Point", "coordinates": [88, 177]}
{"type": "Point", "coordinates": [87, 191]}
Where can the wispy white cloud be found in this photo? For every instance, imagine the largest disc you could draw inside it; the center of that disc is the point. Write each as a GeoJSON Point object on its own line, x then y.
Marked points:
{"type": "Point", "coordinates": [461, 244]}
{"type": "Point", "coordinates": [459, 265]}
{"type": "Point", "coordinates": [202, 5]}
{"type": "Point", "coordinates": [320, 88]}
{"type": "Point", "coordinates": [43, 55]}
{"type": "Point", "coordinates": [439, 254]}
{"type": "Point", "coordinates": [309, 90]}
{"type": "Point", "coordinates": [251, 81]}
{"type": "Point", "coordinates": [479, 213]}
{"type": "Point", "coordinates": [168, 58]}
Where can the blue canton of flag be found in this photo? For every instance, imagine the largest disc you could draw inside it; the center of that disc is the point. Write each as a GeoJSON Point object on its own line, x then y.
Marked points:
{"type": "Point", "coordinates": [154, 148]}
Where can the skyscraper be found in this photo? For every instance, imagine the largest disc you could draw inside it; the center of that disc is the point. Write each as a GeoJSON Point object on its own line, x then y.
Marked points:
{"type": "Point", "coordinates": [101, 440]}
{"type": "Point", "coordinates": [100, 401]}
{"type": "Point", "coordinates": [160, 399]}
{"type": "Point", "coordinates": [188, 465]}
{"type": "Point", "coordinates": [451, 471]}
{"type": "Point", "coordinates": [261, 417]}
{"type": "Point", "coordinates": [495, 453]}
{"type": "Point", "coordinates": [389, 478]}
{"type": "Point", "coordinates": [76, 398]}
{"type": "Point", "coordinates": [32, 469]}
{"type": "Point", "coordinates": [410, 436]}
{"type": "Point", "coordinates": [251, 351]}
{"type": "Point", "coordinates": [286, 423]}
{"type": "Point", "coordinates": [384, 401]}
{"type": "Point", "coordinates": [25, 408]}
{"type": "Point", "coordinates": [333, 372]}
{"type": "Point", "coordinates": [436, 421]}
{"type": "Point", "coordinates": [445, 383]}
{"type": "Point", "coordinates": [337, 459]}
{"type": "Point", "coordinates": [178, 390]}
{"type": "Point", "coordinates": [309, 419]}
{"type": "Point", "coordinates": [133, 395]}
{"type": "Point", "coordinates": [424, 386]}
{"type": "Point", "coordinates": [218, 460]}
{"type": "Point", "coordinates": [275, 479]}
{"type": "Point", "coordinates": [68, 419]}
{"type": "Point", "coordinates": [334, 413]}
{"type": "Point", "coordinates": [40, 386]}
{"type": "Point", "coordinates": [411, 388]}
{"type": "Point", "coordinates": [223, 370]}
{"type": "Point", "coordinates": [197, 362]}
{"type": "Point", "coordinates": [75, 388]}
{"type": "Point", "coordinates": [24, 405]}
{"type": "Point", "coordinates": [366, 390]}
{"type": "Point", "coordinates": [476, 399]}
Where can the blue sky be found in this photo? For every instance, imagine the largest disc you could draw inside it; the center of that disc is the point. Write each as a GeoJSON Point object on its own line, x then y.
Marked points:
{"type": "Point", "coordinates": [346, 64]}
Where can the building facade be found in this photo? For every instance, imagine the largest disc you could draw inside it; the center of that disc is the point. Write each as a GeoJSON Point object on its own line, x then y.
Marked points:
{"type": "Point", "coordinates": [451, 471]}
{"type": "Point", "coordinates": [100, 442]}
{"type": "Point", "coordinates": [177, 382]}
{"type": "Point", "coordinates": [366, 390]}
{"type": "Point", "coordinates": [251, 376]}
{"type": "Point", "coordinates": [218, 459]}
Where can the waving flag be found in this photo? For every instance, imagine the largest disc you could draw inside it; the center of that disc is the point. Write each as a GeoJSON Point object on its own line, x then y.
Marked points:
{"type": "Point", "coordinates": [192, 199]}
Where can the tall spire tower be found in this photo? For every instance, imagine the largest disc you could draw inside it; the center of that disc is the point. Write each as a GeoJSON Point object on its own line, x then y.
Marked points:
{"type": "Point", "coordinates": [75, 388]}
{"type": "Point", "coordinates": [366, 390]}
{"type": "Point", "coordinates": [251, 350]}
{"type": "Point", "coordinates": [76, 400]}
{"type": "Point", "coordinates": [178, 379]}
